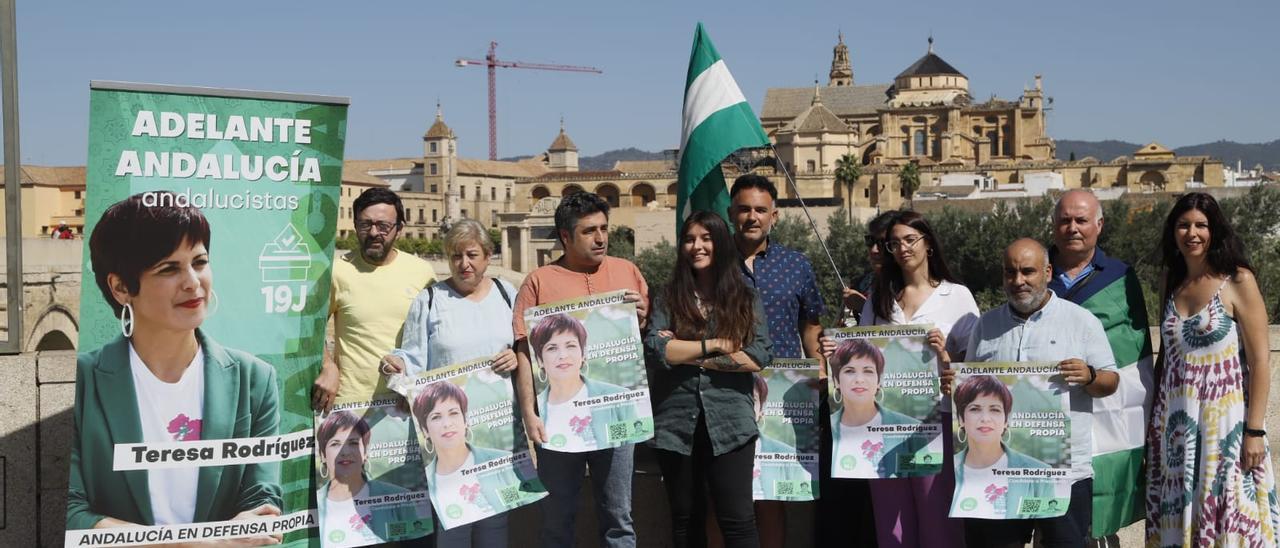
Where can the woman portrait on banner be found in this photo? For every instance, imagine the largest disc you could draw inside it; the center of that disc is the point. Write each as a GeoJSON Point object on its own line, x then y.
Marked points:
{"type": "Point", "coordinates": [440, 409]}
{"type": "Point", "coordinates": [560, 342]}
{"type": "Point", "coordinates": [462, 318]}
{"type": "Point", "coordinates": [915, 286]}
{"type": "Point", "coordinates": [164, 380]}
{"type": "Point", "coordinates": [766, 476]}
{"type": "Point", "coordinates": [857, 366]}
{"type": "Point", "coordinates": [707, 334]}
{"type": "Point", "coordinates": [1210, 479]}
{"type": "Point", "coordinates": [345, 518]}
{"type": "Point", "coordinates": [984, 404]}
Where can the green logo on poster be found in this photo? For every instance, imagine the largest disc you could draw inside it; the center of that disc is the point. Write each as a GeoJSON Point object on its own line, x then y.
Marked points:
{"type": "Point", "coordinates": [968, 504]}
{"type": "Point", "coordinates": [558, 440]}
{"type": "Point", "coordinates": [336, 536]}
{"type": "Point", "coordinates": [454, 511]}
{"type": "Point", "coordinates": [849, 462]}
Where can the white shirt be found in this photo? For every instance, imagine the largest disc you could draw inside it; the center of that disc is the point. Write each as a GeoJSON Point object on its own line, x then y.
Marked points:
{"type": "Point", "coordinates": [347, 525]}
{"type": "Point", "coordinates": [558, 422]}
{"type": "Point", "coordinates": [170, 412]}
{"type": "Point", "coordinates": [950, 308]}
{"type": "Point", "coordinates": [1060, 330]}
{"type": "Point", "coordinates": [449, 329]}
{"type": "Point", "coordinates": [852, 440]}
{"type": "Point", "coordinates": [989, 490]}
{"type": "Point", "coordinates": [463, 491]}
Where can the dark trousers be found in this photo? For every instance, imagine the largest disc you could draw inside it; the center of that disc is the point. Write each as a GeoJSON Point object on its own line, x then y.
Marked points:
{"type": "Point", "coordinates": [727, 478]}
{"type": "Point", "coordinates": [843, 514]}
{"type": "Point", "coordinates": [1070, 530]}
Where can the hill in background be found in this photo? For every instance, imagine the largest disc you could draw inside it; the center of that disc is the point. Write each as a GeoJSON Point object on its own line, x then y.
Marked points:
{"type": "Point", "coordinates": [1249, 154]}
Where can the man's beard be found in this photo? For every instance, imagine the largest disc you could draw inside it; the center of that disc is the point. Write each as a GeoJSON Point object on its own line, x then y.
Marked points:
{"type": "Point", "coordinates": [1033, 300]}
{"type": "Point", "coordinates": [376, 255]}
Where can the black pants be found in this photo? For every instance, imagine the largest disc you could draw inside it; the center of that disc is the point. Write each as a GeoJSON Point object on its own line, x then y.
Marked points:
{"type": "Point", "coordinates": [1070, 530]}
{"type": "Point", "coordinates": [727, 478]}
{"type": "Point", "coordinates": [844, 516]}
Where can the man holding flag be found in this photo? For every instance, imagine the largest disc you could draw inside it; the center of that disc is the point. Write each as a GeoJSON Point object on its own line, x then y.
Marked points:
{"type": "Point", "coordinates": [1109, 289]}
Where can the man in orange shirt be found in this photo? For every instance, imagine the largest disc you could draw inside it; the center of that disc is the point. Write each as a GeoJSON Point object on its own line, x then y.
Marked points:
{"type": "Point", "coordinates": [582, 225]}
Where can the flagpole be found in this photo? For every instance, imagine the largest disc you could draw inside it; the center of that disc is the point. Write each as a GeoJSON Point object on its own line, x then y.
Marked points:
{"type": "Point", "coordinates": [812, 223]}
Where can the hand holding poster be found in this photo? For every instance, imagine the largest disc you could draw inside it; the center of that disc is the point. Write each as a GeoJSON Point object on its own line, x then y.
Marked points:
{"type": "Point", "coordinates": [886, 420]}
{"type": "Point", "coordinates": [786, 398]}
{"type": "Point", "coordinates": [589, 376]}
{"type": "Point", "coordinates": [191, 405]}
{"type": "Point", "coordinates": [1013, 436]}
{"type": "Point", "coordinates": [370, 484]}
{"type": "Point", "coordinates": [476, 457]}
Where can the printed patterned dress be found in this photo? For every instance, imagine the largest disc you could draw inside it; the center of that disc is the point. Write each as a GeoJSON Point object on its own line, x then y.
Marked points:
{"type": "Point", "coordinates": [1197, 492]}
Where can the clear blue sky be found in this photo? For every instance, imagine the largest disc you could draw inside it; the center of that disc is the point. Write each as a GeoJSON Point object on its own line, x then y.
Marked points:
{"type": "Point", "coordinates": [1179, 72]}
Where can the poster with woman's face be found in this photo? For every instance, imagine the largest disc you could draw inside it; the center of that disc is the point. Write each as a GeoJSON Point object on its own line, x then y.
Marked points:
{"type": "Point", "coordinates": [209, 231]}
{"type": "Point", "coordinates": [786, 403]}
{"type": "Point", "coordinates": [1012, 430]}
{"type": "Point", "coordinates": [474, 453]}
{"type": "Point", "coordinates": [588, 373]}
{"type": "Point", "coordinates": [370, 485]}
{"type": "Point", "coordinates": [886, 419]}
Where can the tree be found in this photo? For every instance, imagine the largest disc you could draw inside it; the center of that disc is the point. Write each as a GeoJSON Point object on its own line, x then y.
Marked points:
{"type": "Point", "coordinates": [622, 243]}
{"type": "Point", "coordinates": [909, 178]}
{"type": "Point", "coordinates": [848, 169]}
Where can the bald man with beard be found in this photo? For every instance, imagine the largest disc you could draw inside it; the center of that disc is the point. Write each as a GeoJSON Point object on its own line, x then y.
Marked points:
{"type": "Point", "coordinates": [1109, 289]}
{"type": "Point", "coordinates": [1036, 325]}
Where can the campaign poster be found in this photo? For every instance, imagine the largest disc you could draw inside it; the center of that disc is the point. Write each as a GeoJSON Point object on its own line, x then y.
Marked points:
{"type": "Point", "coordinates": [370, 484]}
{"type": "Point", "coordinates": [786, 402]}
{"type": "Point", "coordinates": [474, 452]}
{"type": "Point", "coordinates": [209, 228]}
{"type": "Point", "coordinates": [1012, 427]}
{"type": "Point", "coordinates": [588, 373]}
{"type": "Point", "coordinates": [886, 413]}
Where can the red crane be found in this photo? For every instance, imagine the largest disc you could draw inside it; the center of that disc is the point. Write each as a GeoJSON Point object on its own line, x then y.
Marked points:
{"type": "Point", "coordinates": [491, 61]}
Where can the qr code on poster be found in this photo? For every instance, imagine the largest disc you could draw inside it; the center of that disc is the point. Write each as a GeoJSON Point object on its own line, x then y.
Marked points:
{"type": "Point", "coordinates": [1030, 505]}
{"type": "Point", "coordinates": [510, 495]}
{"type": "Point", "coordinates": [618, 431]}
{"type": "Point", "coordinates": [784, 488]}
{"type": "Point", "coordinates": [397, 529]}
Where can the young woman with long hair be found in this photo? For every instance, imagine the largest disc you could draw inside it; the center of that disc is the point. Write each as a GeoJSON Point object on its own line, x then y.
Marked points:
{"type": "Point", "coordinates": [708, 333]}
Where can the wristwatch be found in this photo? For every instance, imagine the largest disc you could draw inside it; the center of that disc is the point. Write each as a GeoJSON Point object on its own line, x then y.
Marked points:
{"type": "Point", "coordinates": [1093, 375]}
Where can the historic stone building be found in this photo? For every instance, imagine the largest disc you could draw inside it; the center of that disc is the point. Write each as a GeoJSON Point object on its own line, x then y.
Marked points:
{"type": "Point", "coordinates": [927, 117]}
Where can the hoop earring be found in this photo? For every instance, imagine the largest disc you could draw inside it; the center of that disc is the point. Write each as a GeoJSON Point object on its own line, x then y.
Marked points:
{"type": "Point", "coordinates": [428, 446]}
{"type": "Point", "coordinates": [584, 368]}
{"type": "Point", "coordinates": [324, 470]}
{"type": "Point", "coordinates": [879, 396]}
{"type": "Point", "coordinates": [928, 252]}
{"type": "Point", "coordinates": [126, 320]}
{"type": "Point", "coordinates": [961, 436]}
{"type": "Point", "coordinates": [837, 394]}
{"type": "Point", "coordinates": [212, 306]}
{"type": "Point", "coordinates": [1007, 437]}
{"type": "Point", "coordinates": [470, 436]}
{"type": "Point", "coordinates": [542, 375]}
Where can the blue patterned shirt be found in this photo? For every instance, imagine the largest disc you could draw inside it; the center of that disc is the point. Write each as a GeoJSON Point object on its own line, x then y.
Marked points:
{"type": "Point", "coordinates": [789, 291]}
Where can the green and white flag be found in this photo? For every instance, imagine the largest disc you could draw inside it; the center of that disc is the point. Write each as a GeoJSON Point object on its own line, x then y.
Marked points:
{"type": "Point", "coordinates": [717, 120]}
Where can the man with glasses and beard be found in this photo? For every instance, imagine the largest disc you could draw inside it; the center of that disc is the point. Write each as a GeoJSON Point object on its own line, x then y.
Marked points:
{"type": "Point", "coordinates": [373, 288]}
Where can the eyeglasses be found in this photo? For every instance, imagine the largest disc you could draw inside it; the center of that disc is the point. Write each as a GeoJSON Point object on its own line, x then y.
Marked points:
{"type": "Point", "coordinates": [909, 242]}
{"type": "Point", "coordinates": [872, 241]}
{"type": "Point", "coordinates": [382, 226]}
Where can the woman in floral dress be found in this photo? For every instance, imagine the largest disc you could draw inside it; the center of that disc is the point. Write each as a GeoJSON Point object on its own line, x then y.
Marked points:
{"type": "Point", "coordinates": [1210, 480]}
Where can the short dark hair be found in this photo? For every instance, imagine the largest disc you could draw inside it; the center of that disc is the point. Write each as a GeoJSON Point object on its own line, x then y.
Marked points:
{"type": "Point", "coordinates": [556, 323]}
{"type": "Point", "coordinates": [434, 393]}
{"type": "Point", "coordinates": [979, 385]}
{"type": "Point", "coordinates": [857, 348]}
{"type": "Point", "coordinates": [878, 226]}
{"type": "Point", "coordinates": [136, 233]}
{"type": "Point", "coordinates": [338, 420]}
{"type": "Point", "coordinates": [576, 206]}
{"type": "Point", "coordinates": [758, 182]}
{"type": "Point", "coordinates": [377, 195]}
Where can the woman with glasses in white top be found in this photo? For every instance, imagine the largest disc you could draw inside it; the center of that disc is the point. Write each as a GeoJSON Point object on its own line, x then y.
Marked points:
{"type": "Point", "coordinates": [917, 287]}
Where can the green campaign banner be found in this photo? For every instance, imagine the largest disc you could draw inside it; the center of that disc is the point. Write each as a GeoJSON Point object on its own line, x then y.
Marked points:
{"type": "Point", "coordinates": [1012, 427]}
{"type": "Point", "coordinates": [786, 398]}
{"type": "Point", "coordinates": [209, 219]}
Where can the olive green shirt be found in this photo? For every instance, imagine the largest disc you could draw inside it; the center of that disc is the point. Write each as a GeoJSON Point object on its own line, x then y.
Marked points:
{"type": "Point", "coordinates": [682, 392]}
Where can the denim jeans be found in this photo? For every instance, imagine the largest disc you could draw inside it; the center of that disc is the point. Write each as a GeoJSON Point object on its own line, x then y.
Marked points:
{"type": "Point", "coordinates": [611, 471]}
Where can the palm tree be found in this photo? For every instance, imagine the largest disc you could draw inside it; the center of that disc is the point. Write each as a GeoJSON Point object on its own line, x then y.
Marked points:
{"type": "Point", "coordinates": [909, 178]}
{"type": "Point", "coordinates": [848, 169]}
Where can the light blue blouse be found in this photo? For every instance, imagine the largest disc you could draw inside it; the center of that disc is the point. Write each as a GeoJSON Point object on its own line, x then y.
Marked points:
{"type": "Point", "coordinates": [453, 329]}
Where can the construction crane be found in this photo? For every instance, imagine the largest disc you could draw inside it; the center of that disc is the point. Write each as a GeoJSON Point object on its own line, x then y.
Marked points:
{"type": "Point", "coordinates": [492, 63]}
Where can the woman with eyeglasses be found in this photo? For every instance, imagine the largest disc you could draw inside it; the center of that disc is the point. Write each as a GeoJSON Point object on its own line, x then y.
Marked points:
{"type": "Point", "coordinates": [915, 286]}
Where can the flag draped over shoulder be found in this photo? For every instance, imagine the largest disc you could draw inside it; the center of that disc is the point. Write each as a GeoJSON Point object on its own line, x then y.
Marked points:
{"type": "Point", "coordinates": [1113, 294]}
{"type": "Point", "coordinates": [716, 121]}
